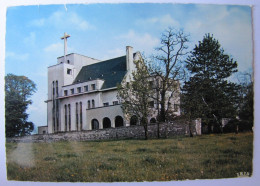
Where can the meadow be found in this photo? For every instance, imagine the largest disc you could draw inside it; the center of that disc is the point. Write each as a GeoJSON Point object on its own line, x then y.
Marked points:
{"type": "Point", "coordinates": [200, 157]}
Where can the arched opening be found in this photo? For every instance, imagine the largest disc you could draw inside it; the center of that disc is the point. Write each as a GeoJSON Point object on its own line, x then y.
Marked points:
{"type": "Point", "coordinates": [119, 122]}
{"type": "Point", "coordinates": [95, 124]}
{"type": "Point", "coordinates": [152, 120]}
{"type": "Point", "coordinates": [106, 123]}
{"type": "Point", "coordinates": [133, 120]}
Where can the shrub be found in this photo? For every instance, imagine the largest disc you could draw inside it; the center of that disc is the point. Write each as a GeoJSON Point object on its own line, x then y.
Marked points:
{"type": "Point", "coordinates": [235, 124]}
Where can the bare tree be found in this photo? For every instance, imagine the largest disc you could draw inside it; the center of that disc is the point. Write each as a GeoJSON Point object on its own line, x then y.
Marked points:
{"type": "Point", "coordinates": [167, 68]}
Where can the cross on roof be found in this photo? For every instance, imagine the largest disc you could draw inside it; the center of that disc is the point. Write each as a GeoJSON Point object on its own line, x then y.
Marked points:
{"type": "Point", "coordinates": [65, 44]}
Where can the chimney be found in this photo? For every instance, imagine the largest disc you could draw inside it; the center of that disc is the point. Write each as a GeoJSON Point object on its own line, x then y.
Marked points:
{"type": "Point", "coordinates": [129, 58]}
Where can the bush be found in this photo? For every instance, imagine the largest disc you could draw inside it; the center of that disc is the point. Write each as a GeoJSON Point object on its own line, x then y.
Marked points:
{"type": "Point", "coordinates": [245, 126]}
{"type": "Point", "coordinates": [231, 126]}
{"type": "Point", "coordinates": [235, 124]}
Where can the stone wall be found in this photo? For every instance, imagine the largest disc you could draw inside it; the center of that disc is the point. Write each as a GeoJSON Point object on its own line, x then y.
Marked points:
{"type": "Point", "coordinates": [131, 132]}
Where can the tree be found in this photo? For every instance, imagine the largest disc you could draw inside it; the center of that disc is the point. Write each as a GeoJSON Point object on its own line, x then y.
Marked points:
{"type": "Point", "coordinates": [246, 107]}
{"type": "Point", "coordinates": [135, 95]}
{"type": "Point", "coordinates": [18, 90]}
{"type": "Point", "coordinates": [167, 68]}
{"type": "Point", "coordinates": [208, 94]}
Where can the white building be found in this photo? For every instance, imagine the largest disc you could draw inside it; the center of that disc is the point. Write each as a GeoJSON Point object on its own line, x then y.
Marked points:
{"type": "Point", "coordinates": [82, 92]}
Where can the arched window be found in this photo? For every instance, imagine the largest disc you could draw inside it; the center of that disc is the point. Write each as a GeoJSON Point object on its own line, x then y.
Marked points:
{"type": "Point", "coordinates": [95, 124]}
{"type": "Point", "coordinates": [106, 123]}
{"type": "Point", "coordinates": [152, 120]}
{"type": "Point", "coordinates": [134, 120]}
{"type": "Point", "coordinates": [119, 122]}
{"type": "Point", "coordinates": [93, 103]}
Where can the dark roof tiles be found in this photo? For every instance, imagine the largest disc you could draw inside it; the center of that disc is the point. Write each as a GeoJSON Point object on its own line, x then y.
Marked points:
{"type": "Point", "coordinates": [111, 71]}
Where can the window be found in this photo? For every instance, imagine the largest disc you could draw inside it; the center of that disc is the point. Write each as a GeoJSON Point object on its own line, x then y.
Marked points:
{"type": "Point", "coordinates": [176, 107]}
{"type": "Point", "coordinates": [69, 71]}
{"type": "Point", "coordinates": [66, 119]}
{"type": "Point", "coordinates": [106, 104]}
{"type": "Point", "coordinates": [151, 104]}
{"type": "Point", "coordinates": [115, 102]}
{"type": "Point", "coordinates": [93, 103]}
{"type": "Point", "coordinates": [77, 117]}
{"type": "Point", "coordinates": [57, 91]}
{"type": "Point", "coordinates": [151, 84]}
{"type": "Point", "coordinates": [65, 92]}
{"type": "Point", "coordinates": [69, 117]}
{"type": "Point", "coordinates": [88, 104]}
{"type": "Point", "coordinates": [72, 91]}
{"type": "Point", "coordinates": [86, 88]}
{"type": "Point", "coordinates": [80, 114]}
{"type": "Point", "coordinates": [93, 86]}
{"type": "Point", "coordinates": [53, 88]}
{"type": "Point", "coordinates": [79, 89]}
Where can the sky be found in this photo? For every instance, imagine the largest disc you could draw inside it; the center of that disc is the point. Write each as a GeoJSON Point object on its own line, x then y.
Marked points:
{"type": "Point", "coordinates": [102, 31]}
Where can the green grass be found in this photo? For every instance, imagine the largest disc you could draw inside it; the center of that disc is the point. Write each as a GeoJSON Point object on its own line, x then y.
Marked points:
{"type": "Point", "coordinates": [180, 158]}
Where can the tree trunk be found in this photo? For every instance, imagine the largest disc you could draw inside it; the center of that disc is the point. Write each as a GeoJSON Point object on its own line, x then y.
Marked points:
{"type": "Point", "coordinates": [145, 132]}
{"type": "Point", "coordinates": [162, 111]}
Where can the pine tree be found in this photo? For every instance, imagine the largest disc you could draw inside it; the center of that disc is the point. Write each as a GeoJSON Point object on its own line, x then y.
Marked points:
{"type": "Point", "coordinates": [208, 94]}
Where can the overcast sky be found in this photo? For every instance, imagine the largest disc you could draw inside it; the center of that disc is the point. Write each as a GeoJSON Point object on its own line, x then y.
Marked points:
{"type": "Point", "coordinates": [102, 31]}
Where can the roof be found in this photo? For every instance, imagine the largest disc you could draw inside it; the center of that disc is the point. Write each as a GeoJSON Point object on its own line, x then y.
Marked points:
{"type": "Point", "coordinates": [112, 71]}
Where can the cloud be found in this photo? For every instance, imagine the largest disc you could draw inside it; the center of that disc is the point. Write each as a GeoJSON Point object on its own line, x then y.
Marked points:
{"type": "Point", "coordinates": [61, 19]}
{"type": "Point", "coordinates": [17, 57]}
{"type": "Point", "coordinates": [38, 22]}
{"type": "Point", "coordinates": [54, 47]}
{"type": "Point", "coordinates": [30, 40]}
{"type": "Point", "coordinates": [162, 21]}
{"type": "Point", "coordinates": [142, 42]}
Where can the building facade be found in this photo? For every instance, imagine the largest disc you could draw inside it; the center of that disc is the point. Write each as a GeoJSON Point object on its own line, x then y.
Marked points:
{"type": "Point", "coordinates": [82, 92]}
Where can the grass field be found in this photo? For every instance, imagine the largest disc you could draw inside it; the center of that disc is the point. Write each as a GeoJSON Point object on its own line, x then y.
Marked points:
{"type": "Point", "coordinates": [180, 158]}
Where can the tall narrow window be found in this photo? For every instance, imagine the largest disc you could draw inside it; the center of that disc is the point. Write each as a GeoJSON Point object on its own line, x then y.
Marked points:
{"type": "Point", "coordinates": [66, 121]}
{"type": "Point", "coordinates": [93, 103]}
{"type": "Point", "coordinates": [72, 91]}
{"type": "Point", "coordinates": [80, 115]}
{"type": "Point", "coordinates": [57, 90]}
{"type": "Point", "coordinates": [88, 104]}
{"type": "Point", "coordinates": [77, 117]}
{"type": "Point", "coordinates": [53, 89]}
{"type": "Point", "coordinates": [57, 115]}
{"type": "Point", "coordinates": [79, 89]}
{"type": "Point", "coordinates": [69, 118]}
{"type": "Point", "coordinates": [53, 116]}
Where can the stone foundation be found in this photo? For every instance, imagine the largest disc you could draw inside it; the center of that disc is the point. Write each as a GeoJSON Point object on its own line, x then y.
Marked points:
{"type": "Point", "coordinates": [131, 132]}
